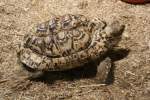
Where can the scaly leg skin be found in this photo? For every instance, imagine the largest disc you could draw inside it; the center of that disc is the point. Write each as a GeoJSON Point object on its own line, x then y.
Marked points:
{"type": "Point", "coordinates": [103, 69]}
{"type": "Point", "coordinates": [26, 73]}
{"type": "Point", "coordinates": [21, 79]}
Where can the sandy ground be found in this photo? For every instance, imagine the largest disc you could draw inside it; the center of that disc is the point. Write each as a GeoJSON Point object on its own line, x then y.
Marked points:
{"type": "Point", "coordinates": [132, 71]}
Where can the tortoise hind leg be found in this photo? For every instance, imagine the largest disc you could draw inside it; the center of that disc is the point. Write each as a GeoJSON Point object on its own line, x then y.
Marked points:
{"type": "Point", "coordinates": [103, 70]}
{"type": "Point", "coordinates": [28, 73]}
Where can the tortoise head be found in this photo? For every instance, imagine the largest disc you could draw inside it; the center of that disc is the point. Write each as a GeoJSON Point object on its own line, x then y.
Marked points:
{"type": "Point", "coordinates": [113, 33]}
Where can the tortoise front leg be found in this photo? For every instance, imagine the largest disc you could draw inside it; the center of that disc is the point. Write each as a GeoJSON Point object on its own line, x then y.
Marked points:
{"type": "Point", "coordinates": [103, 69]}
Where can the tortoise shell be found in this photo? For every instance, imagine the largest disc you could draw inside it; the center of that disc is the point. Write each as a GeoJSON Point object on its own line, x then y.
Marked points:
{"type": "Point", "coordinates": [65, 42]}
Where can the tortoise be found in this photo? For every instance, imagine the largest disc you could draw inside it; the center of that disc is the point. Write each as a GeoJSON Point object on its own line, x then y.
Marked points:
{"type": "Point", "coordinates": [67, 42]}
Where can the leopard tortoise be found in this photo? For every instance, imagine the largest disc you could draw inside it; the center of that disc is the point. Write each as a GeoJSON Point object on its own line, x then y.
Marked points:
{"type": "Point", "coordinates": [67, 42]}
